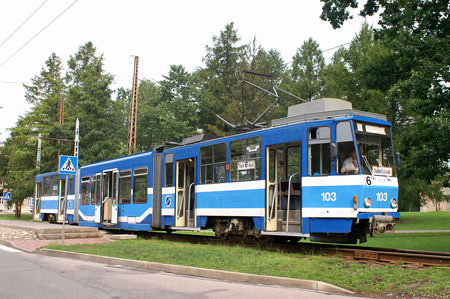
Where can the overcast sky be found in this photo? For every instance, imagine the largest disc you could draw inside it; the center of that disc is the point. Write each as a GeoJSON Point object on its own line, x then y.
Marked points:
{"type": "Point", "coordinates": [161, 33]}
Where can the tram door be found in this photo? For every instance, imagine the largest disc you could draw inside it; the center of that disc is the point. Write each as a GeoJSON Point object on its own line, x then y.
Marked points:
{"type": "Point", "coordinates": [37, 201]}
{"type": "Point", "coordinates": [61, 199]}
{"type": "Point", "coordinates": [283, 188]}
{"type": "Point", "coordinates": [97, 198]}
{"type": "Point", "coordinates": [110, 194]}
{"type": "Point", "coordinates": [271, 189]}
{"type": "Point", "coordinates": [185, 193]}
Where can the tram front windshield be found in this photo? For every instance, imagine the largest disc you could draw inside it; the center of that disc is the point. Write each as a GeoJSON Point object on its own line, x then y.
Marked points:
{"type": "Point", "coordinates": [375, 149]}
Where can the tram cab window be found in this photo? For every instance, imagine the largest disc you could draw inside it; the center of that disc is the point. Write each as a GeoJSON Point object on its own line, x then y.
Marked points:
{"type": "Point", "coordinates": [140, 185]}
{"type": "Point", "coordinates": [85, 191]}
{"type": "Point", "coordinates": [213, 161]}
{"type": "Point", "coordinates": [375, 149]}
{"type": "Point", "coordinates": [125, 187]}
{"type": "Point", "coordinates": [319, 151]}
{"type": "Point", "coordinates": [55, 186]}
{"type": "Point", "coordinates": [46, 186]}
{"type": "Point", "coordinates": [245, 159]}
{"type": "Point", "coordinates": [168, 170]}
{"type": "Point", "coordinates": [346, 146]}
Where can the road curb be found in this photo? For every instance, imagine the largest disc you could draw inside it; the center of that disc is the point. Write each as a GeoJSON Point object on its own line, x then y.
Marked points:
{"type": "Point", "coordinates": [201, 272]}
{"type": "Point", "coordinates": [13, 245]}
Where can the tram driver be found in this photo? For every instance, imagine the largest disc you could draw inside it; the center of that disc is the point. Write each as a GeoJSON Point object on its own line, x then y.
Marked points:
{"type": "Point", "coordinates": [350, 165]}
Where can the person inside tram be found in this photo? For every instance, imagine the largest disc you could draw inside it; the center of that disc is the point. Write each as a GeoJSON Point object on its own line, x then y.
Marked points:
{"type": "Point", "coordinates": [350, 165]}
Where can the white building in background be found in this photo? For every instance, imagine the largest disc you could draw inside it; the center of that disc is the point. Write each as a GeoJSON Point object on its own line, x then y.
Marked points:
{"type": "Point", "coordinates": [432, 206]}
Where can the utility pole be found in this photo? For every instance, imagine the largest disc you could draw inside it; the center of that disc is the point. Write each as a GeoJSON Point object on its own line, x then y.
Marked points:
{"type": "Point", "coordinates": [77, 138]}
{"type": "Point", "coordinates": [133, 110]}
{"type": "Point", "coordinates": [61, 119]}
{"type": "Point", "coordinates": [38, 158]}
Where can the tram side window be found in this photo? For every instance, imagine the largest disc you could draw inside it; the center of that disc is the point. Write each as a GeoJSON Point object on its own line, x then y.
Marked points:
{"type": "Point", "coordinates": [70, 190]}
{"type": "Point", "coordinates": [46, 186]}
{"type": "Point", "coordinates": [95, 190]}
{"type": "Point", "coordinates": [140, 185]}
{"type": "Point", "coordinates": [168, 170]}
{"type": "Point", "coordinates": [245, 159]}
{"type": "Point", "coordinates": [344, 139]}
{"type": "Point", "coordinates": [85, 191]}
{"type": "Point", "coordinates": [294, 163]}
{"type": "Point", "coordinates": [125, 187]}
{"type": "Point", "coordinates": [319, 157]}
{"type": "Point", "coordinates": [213, 161]}
{"type": "Point", "coordinates": [55, 185]}
{"type": "Point", "coordinates": [98, 190]}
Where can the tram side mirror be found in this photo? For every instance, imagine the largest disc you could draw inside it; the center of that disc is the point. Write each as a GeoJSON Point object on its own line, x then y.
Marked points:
{"type": "Point", "coordinates": [333, 150]}
{"type": "Point", "coordinates": [399, 160]}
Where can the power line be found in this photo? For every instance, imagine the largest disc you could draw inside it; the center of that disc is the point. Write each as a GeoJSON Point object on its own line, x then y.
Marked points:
{"type": "Point", "coordinates": [22, 24]}
{"type": "Point", "coordinates": [51, 22]}
{"type": "Point", "coordinates": [14, 82]}
{"type": "Point", "coordinates": [321, 52]}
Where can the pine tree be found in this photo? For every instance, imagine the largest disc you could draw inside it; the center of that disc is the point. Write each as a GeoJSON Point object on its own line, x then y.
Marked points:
{"type": "Point", "coordinates": [45, 94]}
{"type": "Point", "coordinates": [89, 100]}
{"type": "Point", "coordinates": [306, 74]}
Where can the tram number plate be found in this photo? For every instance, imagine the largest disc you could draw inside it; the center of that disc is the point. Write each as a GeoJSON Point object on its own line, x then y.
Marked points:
{"type": "Point", "coordinates": [366, 255]}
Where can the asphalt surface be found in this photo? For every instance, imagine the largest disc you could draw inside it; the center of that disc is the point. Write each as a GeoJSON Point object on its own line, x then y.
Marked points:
{"type": "Point", "coordinates": [25, 275]}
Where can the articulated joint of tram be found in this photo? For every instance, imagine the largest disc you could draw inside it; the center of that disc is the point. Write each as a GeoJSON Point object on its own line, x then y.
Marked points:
{"type": "Point", "coordinates": [379, 224]}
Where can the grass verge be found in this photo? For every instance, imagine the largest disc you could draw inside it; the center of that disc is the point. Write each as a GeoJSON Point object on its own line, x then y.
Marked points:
{"type": "Point", "coordinates": [365, 279]}
{"type": "Point", "coordinates": [413, 241]}
{"type": "Point", "coordinates": [26, 217]}
{"type": "Point", "coordinates": [423, 221]}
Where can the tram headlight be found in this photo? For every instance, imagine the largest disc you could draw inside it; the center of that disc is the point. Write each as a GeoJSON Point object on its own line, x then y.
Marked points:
{"type": "Point", "coordinates": [367, 202]}
{"type": "Point", "coordinates": [394, 203]}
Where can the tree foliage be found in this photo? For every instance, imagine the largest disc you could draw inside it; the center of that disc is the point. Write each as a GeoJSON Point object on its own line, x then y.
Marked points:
{"type": "Point", "coordinates": [400, 69]}
{"type": "Point", "coordinates": [306, 75]}
{"type": "Point", "coordinates": [417, 34]}
{"type": "Point", "coordinates": [89, 99]}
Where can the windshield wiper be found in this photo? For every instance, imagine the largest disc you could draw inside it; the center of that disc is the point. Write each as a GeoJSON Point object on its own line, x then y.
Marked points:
{"type": "Point", "coordinates": [367, 165]}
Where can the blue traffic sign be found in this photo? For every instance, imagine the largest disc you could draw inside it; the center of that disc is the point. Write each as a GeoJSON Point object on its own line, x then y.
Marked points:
{"type": "Point", "coordinates": [7, 196]}
{"type": "Point", "coordinates": [68, 164]}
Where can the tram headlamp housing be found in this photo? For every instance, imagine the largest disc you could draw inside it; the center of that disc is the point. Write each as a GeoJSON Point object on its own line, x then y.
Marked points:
{"type": "Point", "coordinates": [367, 202]}
{"type": "Point", "coordinates": [394, 203]}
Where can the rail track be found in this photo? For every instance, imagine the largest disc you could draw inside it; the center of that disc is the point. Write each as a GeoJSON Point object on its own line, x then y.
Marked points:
{"type": "Point", "coordinates": [365, 254]}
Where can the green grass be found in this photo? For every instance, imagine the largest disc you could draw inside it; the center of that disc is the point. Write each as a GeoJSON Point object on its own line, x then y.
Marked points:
{"type": "Point", "coordinates": [413, 241]}
{"type": "Point", "coordinates": [423, 221]}
{"type": "Point", "coordinates": [365, 279]}
{"type": "Point", "coordinates": [26, 217]}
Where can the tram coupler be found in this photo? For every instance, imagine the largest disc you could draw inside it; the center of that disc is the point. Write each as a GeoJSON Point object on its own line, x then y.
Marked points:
{"type": "Point", "coordinates": [381, 224]}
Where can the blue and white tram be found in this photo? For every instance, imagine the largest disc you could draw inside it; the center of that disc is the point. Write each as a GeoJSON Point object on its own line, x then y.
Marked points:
{"type": "Point", "coordinates": [50, 193]}
{"type": "Point", "coordinates": [117, 193]}
{"type": "Point", "coordinates": [290, 180]}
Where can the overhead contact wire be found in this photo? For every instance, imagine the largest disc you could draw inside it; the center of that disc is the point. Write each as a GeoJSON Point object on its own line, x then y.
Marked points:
{"type": "Point", "coordinates": [31, 39]}
{"type": "Point", "coordinates": [22, 23]}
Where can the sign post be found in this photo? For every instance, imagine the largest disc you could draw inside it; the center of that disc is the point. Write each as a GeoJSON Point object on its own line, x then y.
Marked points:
{"type": "Point", "coordinates": [67, 165]}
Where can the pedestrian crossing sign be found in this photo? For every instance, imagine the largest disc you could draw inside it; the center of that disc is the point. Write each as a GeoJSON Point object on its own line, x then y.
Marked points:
{"type": "Point", "coordinates": [7, 196]}
{"type": "Point", "coordinates": [68, 164]}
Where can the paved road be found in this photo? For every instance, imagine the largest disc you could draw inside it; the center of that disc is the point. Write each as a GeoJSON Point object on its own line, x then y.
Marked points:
{"type": "Point", "coordinates": [25, 275]}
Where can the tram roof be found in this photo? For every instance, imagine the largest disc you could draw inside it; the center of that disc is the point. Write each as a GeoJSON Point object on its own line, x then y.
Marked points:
{"type": "Point", "coordinates": [322, 109]}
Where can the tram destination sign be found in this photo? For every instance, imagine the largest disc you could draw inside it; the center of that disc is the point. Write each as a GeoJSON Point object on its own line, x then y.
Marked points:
{"type": "Point", "coordinates": [68, 164]}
